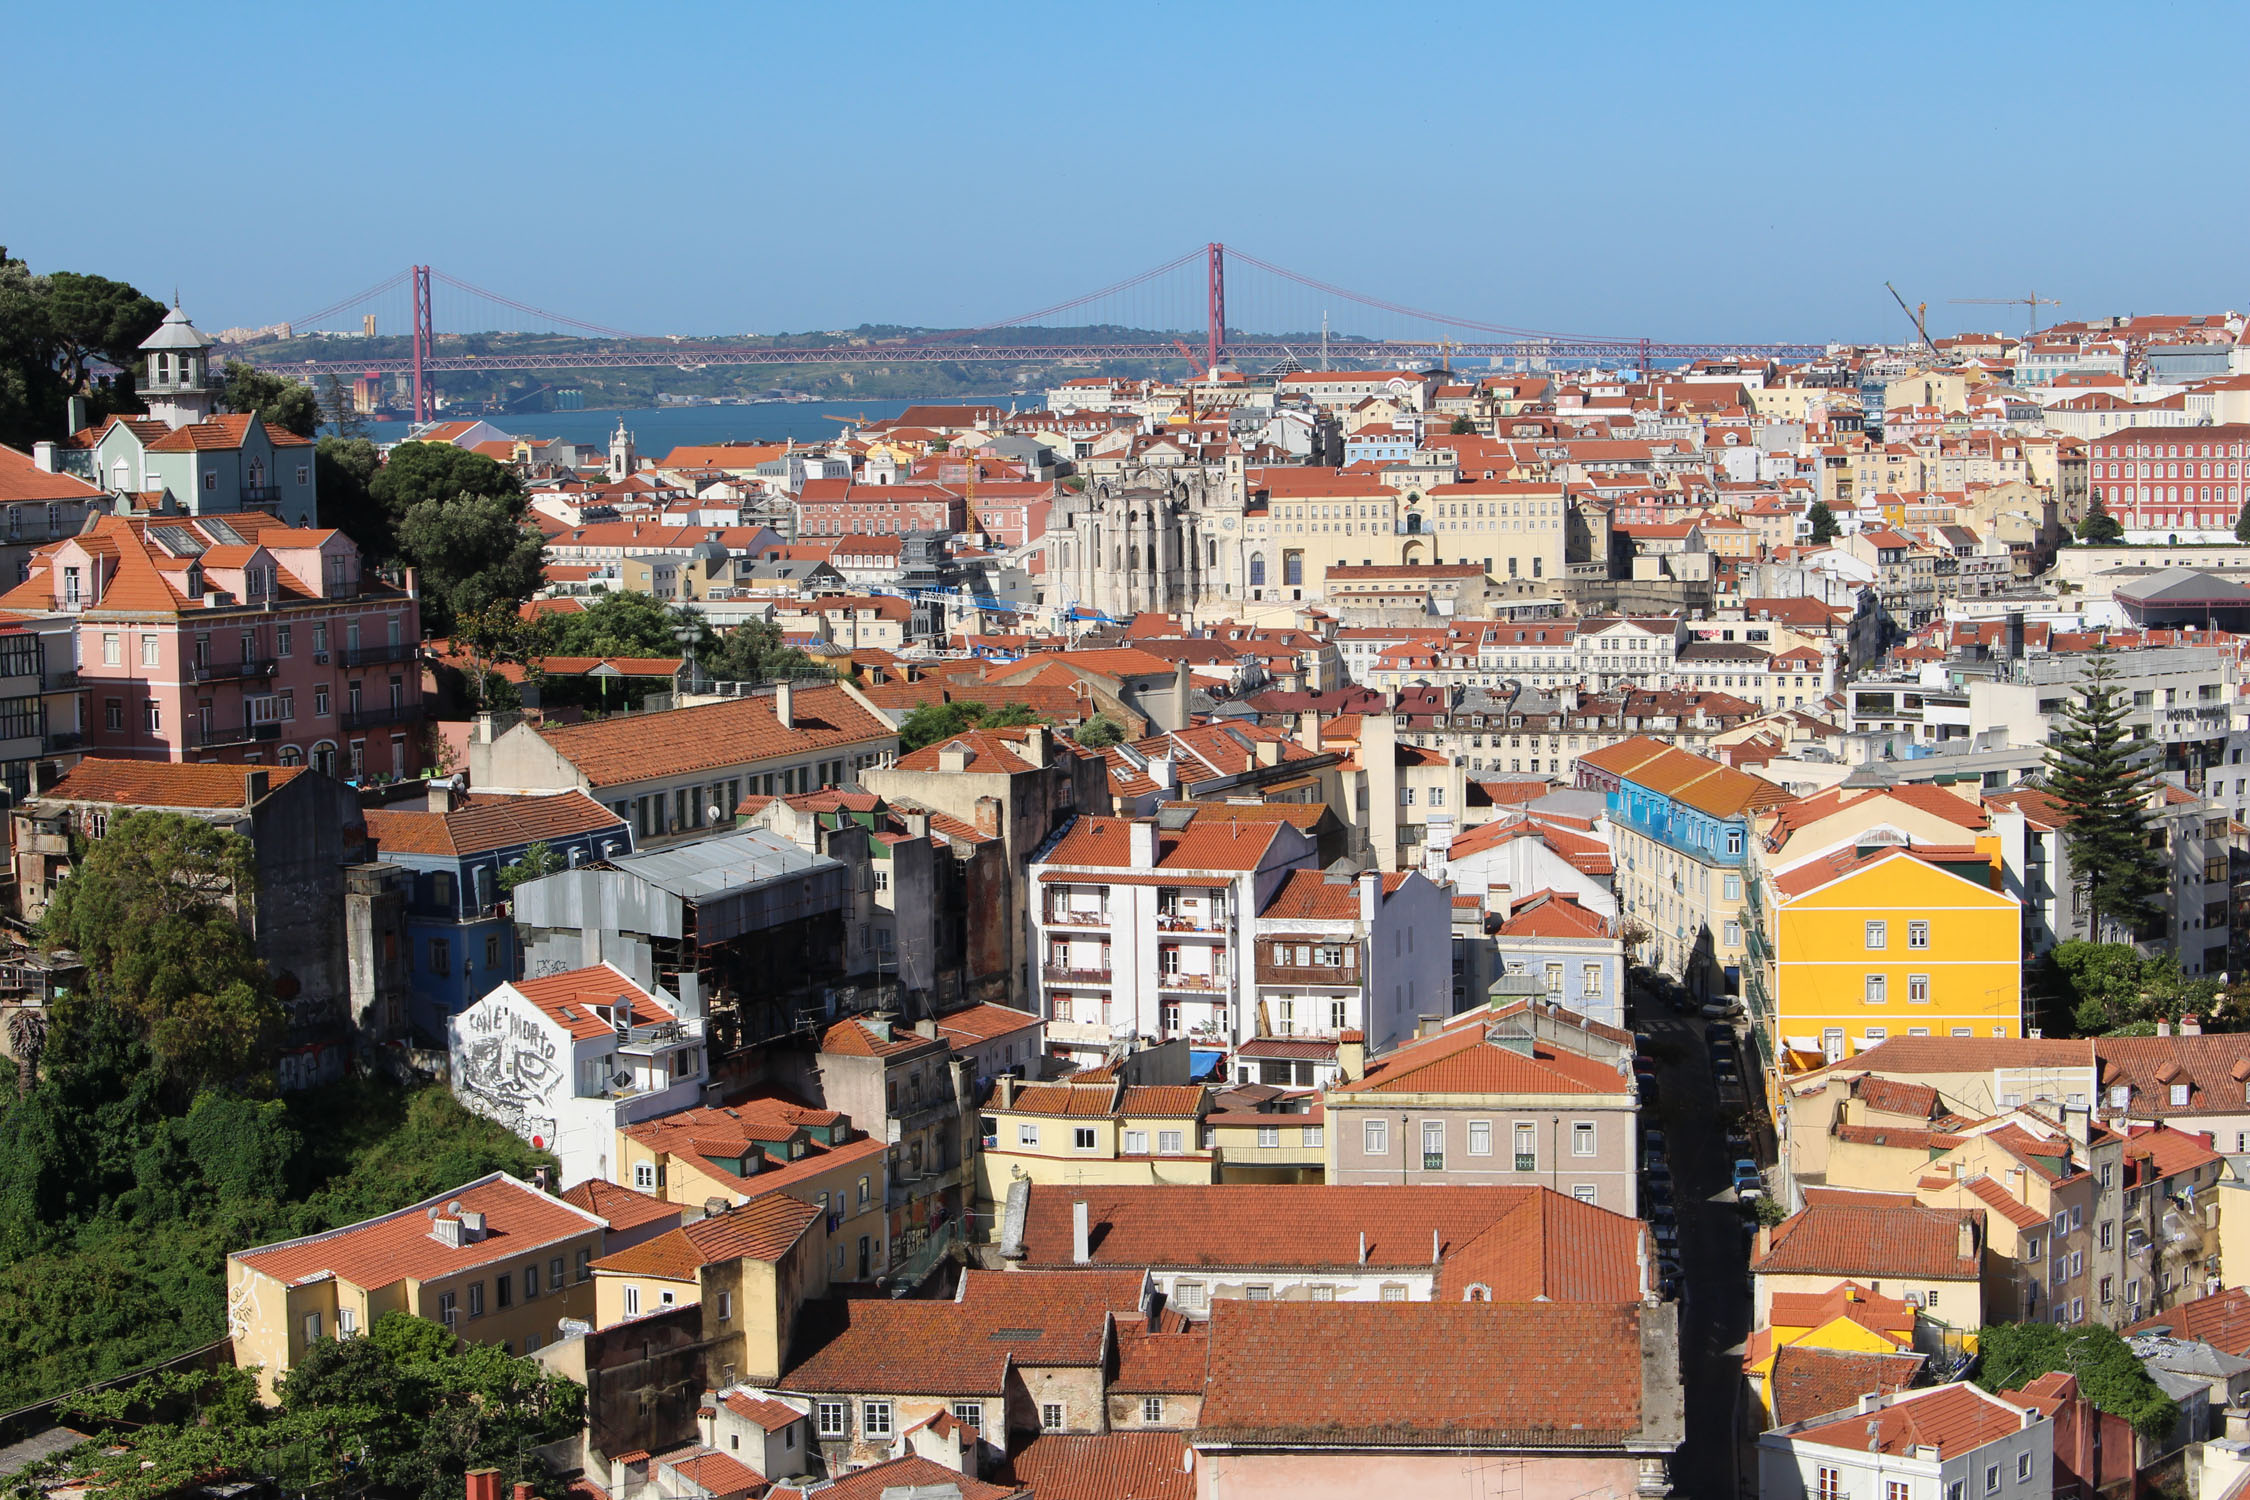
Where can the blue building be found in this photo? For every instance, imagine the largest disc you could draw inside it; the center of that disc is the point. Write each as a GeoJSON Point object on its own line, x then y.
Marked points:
{"type": "Point", "coordinates": [460, 933]}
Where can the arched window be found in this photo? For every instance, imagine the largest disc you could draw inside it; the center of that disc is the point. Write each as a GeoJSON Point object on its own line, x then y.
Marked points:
{"type": "Point", "coordinates": [324, 757]}
{"type": "Point", "coordinates": [1257, 569]}
{"type": "Point", "coordinates": [290, 755]}
{"type": "Point", "coordinates": [1477, 1292]}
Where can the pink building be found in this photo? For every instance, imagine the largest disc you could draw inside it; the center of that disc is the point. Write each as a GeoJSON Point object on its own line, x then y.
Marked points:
{"type": "Point", "coordinates": [2172, 479]}
{"type": "Point", "coordinates": [235, 638]}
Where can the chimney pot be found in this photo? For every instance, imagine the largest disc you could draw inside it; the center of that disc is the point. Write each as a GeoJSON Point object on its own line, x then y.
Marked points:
{"type": "Point", "coordinates": [1142, 840]}
{"type": "Point", "coordinates": [784, 705]}
{"type": "Point", "coordinates": [1081, 1235]}
{"type": "Point", "coordinates": [484, 1484]}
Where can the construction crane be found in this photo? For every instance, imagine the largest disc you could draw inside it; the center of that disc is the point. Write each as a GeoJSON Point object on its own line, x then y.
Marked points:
{"type": "Point", "coordinates": [1915, 313]}
{"type": "Point", "coordinates": [2031, 304]}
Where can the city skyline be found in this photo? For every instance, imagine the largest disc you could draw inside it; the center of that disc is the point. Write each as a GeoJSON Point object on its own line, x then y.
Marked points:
{"type": "Point", "coordinates": [1639, 177]}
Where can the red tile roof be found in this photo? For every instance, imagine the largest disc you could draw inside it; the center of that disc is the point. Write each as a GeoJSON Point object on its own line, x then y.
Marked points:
{"type": "Point", "coordinates": [1160, 1364]}
{"type": "Point", "coordinates": [982, 1023]}
{"type": "Point", "coordinates": [1870, 1310]}
{"type": "Point", "coordinates": [1954, 1419]}
{"type": "Point", "coordinates": [637, 747]}
{"type": "Point", "coordinates": [583, 1001]}
{"type": "Point", "coordinates": [853, 1037]}
{"type": "Point", "coordinates": [1551, 914]}
{"type": "Point", "coordinates": [2214, 1066]}
{"type": "Point", "coordinates": [519, 1220]}
{"type": "Point", "coordinates": [1850, 860]}
{"type": "Point", "coordinates": [1106, 1466]}
{"type": "Point", "coordinates": [489, 823]}
{"type": "Point", "coordinates": [1309, 895]}
{"type": "Point", "coordinates": [621, 1207]}
{"type": "Point", "coordinates": [1466, 1060]}
{"type": "Point", "coordinates": [1423, 1374]}
{"type": "Point", "coordinates": [145, 783]}
{"type": "Point", "coordinates": [1522, 1242]}
{"type": "Point", "coordinates": [767, 1413]}
{"type": "Point", "coordinates": [1808, 1383]}
{"type": "Point", "coordinates": [1873, 1234]}
{"type": "Point", "coordinates": [1916, 1101]}
{"type": "Point", "coordinates": [721, 1475]}
{"type": "Point", "coordinates": [763, 1229]}
{"type": "Point", "coordinates": [1100, 842]}
{"type": "Point", "coordinates": [2221, 1320]}
{"type": "Point", "coordinates": [966, 1346]}
{"type": "Point", "coordinates": [22, 479]}
{"type": "Point", "coordinates": [910, 1473]}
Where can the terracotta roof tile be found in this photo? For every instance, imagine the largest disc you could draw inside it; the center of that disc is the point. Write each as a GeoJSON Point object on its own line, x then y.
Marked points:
{"type": "Point", "coordinates": [853, 1037]}
{"type": "Point", "coordinates": [1954, 1419]}
{"type": "Point", "coordinates": [1106, 1466]}
{"type": "Point", "coordinates": [1881, 1235]}
{"type": "Point", "coordinates": [2221, 1320]}
{"type": "Point", "coordinates": [981, 1023]}
{"type": "Point", "coordinates": [1160, 1364]}
{"type": "Point", "coordinates": [489, 823]}
{"type": "Point", "coordinates": [1102, 842]}
{"type": "Point", "coordinates": [519, 1220]}
{"type": "Point", "coordinates": [1808, 1382]}
{"type": "Point", "coordinates": [620, 1207]}
{"type": "Point", "coordinates": [911, 1473]}
{"type": "Point", "coordinates": [965, 1347]}
{"type": "Point", "coordinates": [142, 783]}
{"type": "Point", "coordinates": [767, 1413]}
{"type": "Point", "coordinates": [1423, 1374]}
{"type": "Point", "coordinates": [582, 1001]}
{"type": "Point", "coordinates": [1521, 1242]}
{"type": "Point", "coordinates": [1553, 915]}
{"type": "Point", "coordinates": [715, 735]}
{"type": "Point", "coordinates": [1466, 1060]}
{"type": "Point", "coordinates": [763, 1229]}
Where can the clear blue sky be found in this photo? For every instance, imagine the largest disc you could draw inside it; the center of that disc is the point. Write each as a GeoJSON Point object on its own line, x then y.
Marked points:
{"type": "Point", "coordinates": [1682, 171]}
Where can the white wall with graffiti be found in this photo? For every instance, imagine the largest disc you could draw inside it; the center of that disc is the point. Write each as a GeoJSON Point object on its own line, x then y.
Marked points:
{"type": "Point", "coordinates": [554, 1075]}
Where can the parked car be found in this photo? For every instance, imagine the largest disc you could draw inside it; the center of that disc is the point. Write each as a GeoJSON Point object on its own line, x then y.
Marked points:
{"type": "Point", "coordinates": [1738, 1137]}
{"type": "Point", "coordinates": [1652, 1141]}
{"type": "Point", "coordinates": [1749, 1182]}
{"type": "Point", "coordinates": [1657, 1171]}
{"type": "Point", "coordinates": [1717, 1033]}
{"type": "Point", "coordinates": [1649, 1093]}
{"type": "Point", "coordinates": [1642, 1041]}
{"type": "Point", "coordinates": [1667, 1236]}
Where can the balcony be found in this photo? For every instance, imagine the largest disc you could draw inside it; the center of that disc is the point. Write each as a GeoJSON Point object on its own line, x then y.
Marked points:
{"type": "Point", "coordinates": [1054, 974]}
{"type": "Point", "coordinates": [64, 739]}
{"type": "Point", "coordinates": [372, 718]}
{"type": "Point", "coordinates": [261, 496]}
{"type": "Point", "coordinates": [224, 671]}
{"type": "Point", "coordinates": [62, 680]}
{"type": "Point", "coordinates": [1178, 922]}
{"type": "Point", "coordinates": [1326, 975]}
{"type": "Point", "coordinates": [1081, 1033]}
{"type": "Point", "coordinates": [1197, 982]}
{"type": "Point", "coordinates": [368, 655]}
{"type": "Point", "coordinates": [1060, 918]}
{"type": "Point", "coordinates": [215, 736]}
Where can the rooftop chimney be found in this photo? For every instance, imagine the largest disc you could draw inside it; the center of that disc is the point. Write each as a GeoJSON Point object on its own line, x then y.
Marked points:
{"type": "Point", "coordinates": [1351, 1055]}
{"type": "Point", "coordinates": [953, 760]}
{"type": "Point", "coordinates": [1363, 1247]}
{"type": "Point", "coordinates": [472, 1227]}
{"type": "Point", "coordinates": [1141, 834]}
{"type": "Point", "coordinates": [1081, 1235]}
{"type": "Point", "coordinates": [1164, 773]}
{"type": "Point", "coordinates": [2191, 1026]}
{"type": "Point", "coordinates": [784, 705]}
{"type": "Point", "coordinates": [2164, 1028]}
{"type": "Point", "coordinates": [43, 456]}
{"type": "Point", "coordinates": [254, 785]}
{"type": "Point", "coordinates": [1268, 752]}
{"type": "Point", "coordinates": [1968, 1239]}
{"type": "Point", "coordinates": [484, 1484]}
{"type": "Point", "coordinates": [1035, 745]}
{"type": "Point", "coordinates": [1308, 730]}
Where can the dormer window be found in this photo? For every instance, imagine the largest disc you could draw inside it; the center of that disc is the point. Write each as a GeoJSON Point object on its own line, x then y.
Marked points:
{"type": "Point", "coordinates": [195, 580]}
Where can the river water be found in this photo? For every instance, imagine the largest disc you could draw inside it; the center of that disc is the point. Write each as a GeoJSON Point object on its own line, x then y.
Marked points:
{"type": "Point", "coordinates": [658, 430]}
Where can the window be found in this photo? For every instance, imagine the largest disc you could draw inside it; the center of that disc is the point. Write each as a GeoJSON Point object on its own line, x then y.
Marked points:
{"type": "Point", "coordinates": [2031, 1247]}
{"type": "Point", "coordinates": [1480, 1137]}
{"type": "Point", "coordinates": [1878, 934]}
{"type": "Point", "coordinates": [114, 714]}
{"type": "Point", "coordinates": [1831, 1483]}
{"type": "Point", "coordinates": [1259, 1292]}
{"type": "Point", "coordinates": [1878, 989]}
{"type": "Point", "coordinates": [2179, 1096]}
{"type": "Point", "coordinates": [828, 1418]}
{"type": "Point", "coordinates": [152, 716]}
{"type": "Point", "coordinates": [1582, 1138]}
{"type": "Point", "coordinates": [1377, 1137]}
{"type": "Point", "coordinates": [312, 1326]}
{"type": "Point", "coordinates": [112, 655]}
{"type": "Point", "coordinates": [1953, 1490]}
{"type": "Point", "coordinates": [864, 1189]}
{"type": "Point", "coordinates": [531, 1281]}
{"type": "Point", "coordinates": [476, 1299]}
{"type": "Point", "coordinates": [2023, 1465]}
{"type": "Point", "coordinates": [1269, 1137]}
{"type": "Point", "coordinates": [1050, 1416]}
{"type": "Point", "coordinates": [1917, 989]}
{"type": "Point", "coordinates": [503, 1290]}
{"type": "Point", "coordinates": [969, 1414]}
{"type": "Point", "coordinates": [1026, 1135]}
{"type": "Point", "coordinates": [1527, 1148]}
{"type": "Point", "coordinates": [149, 657]}
{"type": "Point", "coordinates": [555, 1273]}
{"type": "Point", "coordinates": [1732, 886]}
{"type": "Point", "coordinates": [1992, 1479]}
{"type": "Point", "coordinates": [1136, 1143]}
{"type": "Point", "coordinates": [441, 956]}
{"type": "Point", "coordinates": [1190, 1295]}
{"type": "Point", "coordinates": [1433, 1145]}
{"type": "Point", "coordinates": [1394, 1291]}
{"type": "Point", "coordinates": [875, 1419]}
{"type": "Point", "coordinates": [644, 1176]}
{"type": "Point", "coordinates": [585, 1265]}
{"type": "Point", "coordinates": [1152, 1409]}
{"type": "Point", "coordinates": [1917, 934]}
{"type": "Point", "coordinates": [632, 1301]}
{"type": "Point", "coordinates": [446, 1309]}
{"type": "Point", "coordinates": [1169, 1143]}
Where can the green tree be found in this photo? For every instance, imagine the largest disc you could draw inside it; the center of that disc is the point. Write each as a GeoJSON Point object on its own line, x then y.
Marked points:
{"type": "Point", "coordinates": [2106, 988]}
{"type": "Point", "coordinates": [280, 402]}
{"type": "Point", "coordinates": [472, 551]}
{"type": "Point", "coordinates": [152, 912]}
{"type": "Point", "coordinates": [755, 652]}
{"type": "Point", "coordinates": [1463, 426]}
{"type": "Point", "coordinates": [344, 470]}
{"type": "Point", "coordinates": [1100, 732]}
{"type": "Point", "coordinates": [1823, 522]}
{"type": "Point", "coordinates": [2010, 1355]}
{"type": "Point", "coordinates": [2099, 774]}
{"type": "Point", "coordinates": [627, 623]}
{"type": "Point", "coordinates": [2242, 524]}
{"type": "Point", "coordinates": [539, 859]}
{"type": "Point", "coordinates": [417, 473]}
{"type": "Point", "coordinates": [92, 318]}
{"type": "Point", "coordinates": [2100, 528]}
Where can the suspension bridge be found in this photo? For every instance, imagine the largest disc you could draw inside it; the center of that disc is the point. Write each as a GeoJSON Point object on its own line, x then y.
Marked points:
{"type": "Point", "coordinates": [1187, 295]}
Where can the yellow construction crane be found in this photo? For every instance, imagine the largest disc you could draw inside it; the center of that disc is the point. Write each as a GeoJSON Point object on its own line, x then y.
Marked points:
{"type": "Point", "coordinates": [1915, 312]}
{"type": "Point", "coordinates": [2031, 304]}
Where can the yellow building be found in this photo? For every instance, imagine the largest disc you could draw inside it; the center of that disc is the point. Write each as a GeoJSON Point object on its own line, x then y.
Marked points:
{"type": "Point", "coordinates": [1270, 1145]}
{"type": "Point", "coordinates": [748, 1270]}
{"type": "Point", "coordinates": [1846, 1319]}
{"type": "Point", "coordinates": [1092, 1128]}
{"type": "Point", "coordinates": [496, 1261]}
{"type": "Point", "coordinates": [1875, 940]}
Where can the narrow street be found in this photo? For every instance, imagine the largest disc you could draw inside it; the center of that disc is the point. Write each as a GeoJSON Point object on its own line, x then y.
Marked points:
{"type": "Point", "coordinates": [1714, 1255]}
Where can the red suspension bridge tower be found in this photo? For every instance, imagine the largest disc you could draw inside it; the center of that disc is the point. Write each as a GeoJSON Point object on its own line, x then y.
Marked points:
{"type": "Point", "coordinates": [1215, 336]}
{"type": "Point", "coordinates": [425, 344]}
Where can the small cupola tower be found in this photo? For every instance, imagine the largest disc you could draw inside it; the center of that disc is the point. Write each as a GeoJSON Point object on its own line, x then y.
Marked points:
{"type": "Point", "coordinates": [177, 382]}
{"type": "Point", "coordinates": [623, 459]}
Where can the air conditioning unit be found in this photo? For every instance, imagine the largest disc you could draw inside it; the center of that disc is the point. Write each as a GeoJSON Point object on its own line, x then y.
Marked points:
{"type": "Point", "coordinates": [321, 657]}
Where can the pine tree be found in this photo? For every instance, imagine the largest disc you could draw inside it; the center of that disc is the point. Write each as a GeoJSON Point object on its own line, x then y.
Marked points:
{"type": "Point", "coordinates": [2098, 773]}
{"type": "Point", "coordinates": [1823, 523]}
{"type": "Point", "coordinates": [2100, 528]}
